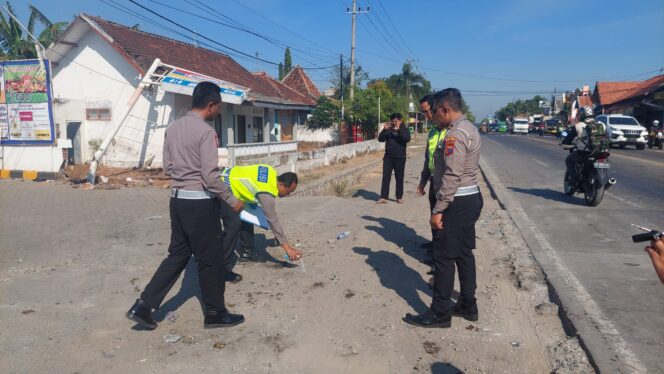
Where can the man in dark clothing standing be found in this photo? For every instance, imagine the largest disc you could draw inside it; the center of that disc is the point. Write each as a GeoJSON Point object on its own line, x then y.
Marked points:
{"type": "Point", "coordinates": [395, 136]}
{"type": "Point", "coordinates": [190, 159]}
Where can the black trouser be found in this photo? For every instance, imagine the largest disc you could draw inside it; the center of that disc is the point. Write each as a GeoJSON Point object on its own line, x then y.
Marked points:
{"type": "Point", "coordinates": [232, 225]}
{"type": "Point", "coordinates": [399, 167]}
{"type": "Point", "coordinates": [195, 228]}
{"type": "Point", "coordinates": [453, 245]}
{"type": "Point", "coordinates": [432, 203]}
{"type": "Point", "coordinates": [247, 238]}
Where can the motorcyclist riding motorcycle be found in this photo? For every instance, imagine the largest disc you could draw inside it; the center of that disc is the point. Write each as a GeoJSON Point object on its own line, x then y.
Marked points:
{"type": "Point", "coordinates": [577, 136]}
{"type": "Point", "coordinates": [655, 136]}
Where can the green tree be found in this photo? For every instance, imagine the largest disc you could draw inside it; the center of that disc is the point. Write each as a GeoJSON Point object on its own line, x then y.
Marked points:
{"type": "Point", "coordinates": [408, 83]}
{"type": "Point", "coordinates": [288, 61]}
{"type": "Point", "coordinates": [466, 110]}
{"type": "Point", "coordinates": [281, 71]}
{"type": "Point", "coordinates": [325, 114]}
{"type": "Point", "coordinates": [360, 77]}
{"type": "Point", "coordinates": [17, 44]}
{"type": "Point", "coordinates": [520, 108]}
{"type": "Point", "coordinates": [365, 106]}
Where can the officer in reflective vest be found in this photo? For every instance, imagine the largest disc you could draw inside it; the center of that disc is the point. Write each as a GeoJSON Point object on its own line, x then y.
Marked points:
{"type": "Point", "coordinates": [436, 134]}
{"type": "Point", "coordinates": [254, 184]}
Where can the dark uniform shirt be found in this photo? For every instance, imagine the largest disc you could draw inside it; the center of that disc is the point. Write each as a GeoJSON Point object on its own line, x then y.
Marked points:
{"type": "Point", "coordinates": [456, 162]}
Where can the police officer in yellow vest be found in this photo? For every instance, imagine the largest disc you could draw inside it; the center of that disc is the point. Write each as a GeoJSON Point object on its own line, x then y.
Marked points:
{"type": "Point", "coordinates": [436, 134]}
{"type": "Point", "coordinates": [254, 184]}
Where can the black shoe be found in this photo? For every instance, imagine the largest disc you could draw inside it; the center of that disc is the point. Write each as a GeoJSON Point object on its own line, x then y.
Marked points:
{"type": "Point", "coordinates": [232, 277]}
{"type": "Point", "coordinates": [215, 319]}
{"type": "Point", "coordinates": [430, 319]}
{"type": "Point", "coordinates": [427, 245]}
{"type": "Point", "coordinates": [141, 313]}
{"type": "Point", "coordinates": [467, 312]}
{"type": "Point", "coordinates": [427, 261]}
{"type": "Point", "coordinates": [251, 257]}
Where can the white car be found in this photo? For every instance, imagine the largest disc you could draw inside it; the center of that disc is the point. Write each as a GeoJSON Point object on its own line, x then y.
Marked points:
{"type": "Point", "coordinates": [624, 130]}
{"type": "Point", "coordinates": [520, 125]}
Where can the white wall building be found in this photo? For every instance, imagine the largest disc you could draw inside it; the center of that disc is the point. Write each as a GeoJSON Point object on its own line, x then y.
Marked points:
{"type": "Point", "coordinates": [96, 66]}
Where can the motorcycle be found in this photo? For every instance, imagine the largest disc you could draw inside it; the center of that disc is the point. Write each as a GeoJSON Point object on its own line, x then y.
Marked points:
{"type": "Point", "coordinates": [655, 138]}
{"type": "Point", "coordinates": [592, 169]}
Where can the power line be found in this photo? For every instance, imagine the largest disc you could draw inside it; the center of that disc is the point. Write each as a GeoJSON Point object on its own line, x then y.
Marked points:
{"type": "Point", "coordinates": [396, 29]}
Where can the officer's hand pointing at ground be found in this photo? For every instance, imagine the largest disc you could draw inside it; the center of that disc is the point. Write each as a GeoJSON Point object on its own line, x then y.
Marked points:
{"type": "Point", "coordinates": [292, 253]}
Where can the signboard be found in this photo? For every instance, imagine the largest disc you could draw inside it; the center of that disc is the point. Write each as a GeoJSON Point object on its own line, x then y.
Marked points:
{"type": "Point", "coordinates": [26, 115]}
{"type": "Point", "coordinates": [183, 82]}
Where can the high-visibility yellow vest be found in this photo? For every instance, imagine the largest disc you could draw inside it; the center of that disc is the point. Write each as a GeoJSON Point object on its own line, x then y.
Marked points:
{"type": "Point", "coordinates": [248, 181]}
{"type": "Point", "coordinates": [435, 135]}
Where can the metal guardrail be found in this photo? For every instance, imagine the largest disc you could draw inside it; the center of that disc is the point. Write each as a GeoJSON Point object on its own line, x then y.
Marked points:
{"type": "Point", "coordinates": [256, 149]}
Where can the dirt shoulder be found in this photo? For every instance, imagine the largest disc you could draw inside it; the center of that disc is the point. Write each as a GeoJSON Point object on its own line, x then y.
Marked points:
{"type": "Point", "coordinates": [340, 310]}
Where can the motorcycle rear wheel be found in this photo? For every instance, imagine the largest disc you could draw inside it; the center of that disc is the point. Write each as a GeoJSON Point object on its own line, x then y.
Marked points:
{"type": "Point", "coordinates": [567, 185]}
{"type": "Point", "coordinates": [594, 192]}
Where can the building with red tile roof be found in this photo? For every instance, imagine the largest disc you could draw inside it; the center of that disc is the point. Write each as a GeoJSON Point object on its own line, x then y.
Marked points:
{"type": "Point", "coordinates": [300, 82]}
{"type": "Point", "coordinates": [97, 65]}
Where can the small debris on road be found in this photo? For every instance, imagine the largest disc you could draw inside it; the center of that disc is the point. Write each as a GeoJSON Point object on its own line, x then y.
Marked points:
{"type": "Point", "coordinates": [172, 338]}
{"type": "Point", "coordinates": [219, 345]}
{"type": "Point", "coordinates": [171, 316]}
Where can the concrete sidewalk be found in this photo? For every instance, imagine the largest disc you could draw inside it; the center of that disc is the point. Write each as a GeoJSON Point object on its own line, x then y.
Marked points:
{"type": "Point", "coordinates": [73, 261]}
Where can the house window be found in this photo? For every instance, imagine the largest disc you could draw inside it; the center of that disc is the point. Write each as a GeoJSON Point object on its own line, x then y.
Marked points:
{"type": "Point", "coordinates": [98, 114]}
{"type": "Point", "coordinates": [258, 129]}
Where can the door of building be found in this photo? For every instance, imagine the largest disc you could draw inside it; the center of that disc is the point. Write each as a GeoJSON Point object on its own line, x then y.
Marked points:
{"type": "Point", "coordinates": [241, 129]}
{"type": "Point", "coordinates": [74, 154]}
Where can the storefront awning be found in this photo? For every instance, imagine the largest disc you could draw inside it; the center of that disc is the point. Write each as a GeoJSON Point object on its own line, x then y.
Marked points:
{"type": "Point", "coordinates": [181, 81]}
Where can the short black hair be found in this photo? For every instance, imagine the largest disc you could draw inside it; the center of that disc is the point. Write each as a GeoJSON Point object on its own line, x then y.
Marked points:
{"type": "Point", "coordinates": [396, 116]}
{"type": "Point", "coordinates": [426, 98]}
{"type": "Point", "coordinates": [204, 94]}
{"type": "Point", "coordinates": [287, 179]}
{"type": "Point", "coordinates": [449, 96]}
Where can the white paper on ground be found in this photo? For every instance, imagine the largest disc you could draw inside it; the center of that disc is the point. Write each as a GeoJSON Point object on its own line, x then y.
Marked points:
{"type": "Point", "coordinates": [254, 215]}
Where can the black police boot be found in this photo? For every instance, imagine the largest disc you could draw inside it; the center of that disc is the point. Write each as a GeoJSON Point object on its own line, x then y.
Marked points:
{"type": "Point", "coordinates": [430, 319]}
{"type": "Point", "coordinates": [214, 319]}
{"type": "Point", "coordinates": [141, 313]}
{"type": "Point", "coordinates": [467, 311]}
{"type": "Point", "coordinates": [232, 277]}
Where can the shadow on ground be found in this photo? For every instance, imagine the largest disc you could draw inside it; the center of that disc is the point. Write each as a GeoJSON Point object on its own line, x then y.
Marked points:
{"type": "Point", "coordinates": [188, 288]}
{"type": "Point", "coordinates": [399, 234]}
{"type": "Point", "coordinates": [549, 194]}
{"type": "Point", "coordinates": [394, 274]}
{"type": "Point", "coordinates": [444, 368]}
{"type": "Point", "coordinates": [367, 195]}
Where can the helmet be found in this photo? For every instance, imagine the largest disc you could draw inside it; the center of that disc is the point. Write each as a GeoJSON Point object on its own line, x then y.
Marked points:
{"type": "Point", "coordinates": [655, 123]}
{"type": "Point", "coordinates": [585, 112]}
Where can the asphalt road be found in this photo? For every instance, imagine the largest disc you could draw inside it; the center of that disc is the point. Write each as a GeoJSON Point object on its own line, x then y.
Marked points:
{"type": "Point", "coordinates": [594, 244]}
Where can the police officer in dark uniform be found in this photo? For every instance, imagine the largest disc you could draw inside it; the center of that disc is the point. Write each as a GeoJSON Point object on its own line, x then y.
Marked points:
{"type": "Point", "coordinates": [190, 159]}
{"type": "Point", "coordinates": [457, 209]}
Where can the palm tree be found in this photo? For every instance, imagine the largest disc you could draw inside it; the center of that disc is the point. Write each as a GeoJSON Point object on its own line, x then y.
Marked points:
{"type": "Point", "coordinates": [17, 44]}
{"type": "Point", "coordinates": [409, 83]}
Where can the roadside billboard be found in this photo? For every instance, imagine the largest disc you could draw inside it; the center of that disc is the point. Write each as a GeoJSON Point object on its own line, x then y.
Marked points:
{"type": "Point", "coordinates": [26, 115]}
{"type": "Point", "coordinates": [183, 82]}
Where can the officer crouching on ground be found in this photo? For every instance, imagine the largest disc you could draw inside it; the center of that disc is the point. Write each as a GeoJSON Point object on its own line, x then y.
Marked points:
{"type": "Point", "coordinates": [457, 208]}
{"type": "Point", "coordinates": [254, 184]}
{"type": "Point", "coordinates": [190, 159]}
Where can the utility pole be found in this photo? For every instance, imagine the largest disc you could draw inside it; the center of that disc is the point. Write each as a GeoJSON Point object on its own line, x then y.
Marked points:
{"type": "Point", "coordinates": [354, 12]}
{"type": "Point", "coordinates": [341, 85]}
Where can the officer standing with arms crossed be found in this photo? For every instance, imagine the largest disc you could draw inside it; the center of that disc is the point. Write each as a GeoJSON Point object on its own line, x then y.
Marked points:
{"type": "Point", "coordinates": [457, 208]}
{"type": "Point", "coordinates": [436, 134]}
{"type": "Point", "coordinates": [190, 159]}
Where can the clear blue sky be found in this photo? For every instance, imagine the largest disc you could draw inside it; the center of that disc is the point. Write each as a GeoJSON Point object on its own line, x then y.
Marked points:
{"type": "Point", "coordinates": [475, 45]}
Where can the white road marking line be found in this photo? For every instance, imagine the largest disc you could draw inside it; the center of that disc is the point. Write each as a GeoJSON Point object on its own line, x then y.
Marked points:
{"type": "Point", "coordinates": [589, 306]}
{"type": "Point", "coordinates": [622, 199]}
{"type": "Point", "coordinates": [512, 150]}
{"type": "Point", "coordinates": [541, 163]}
